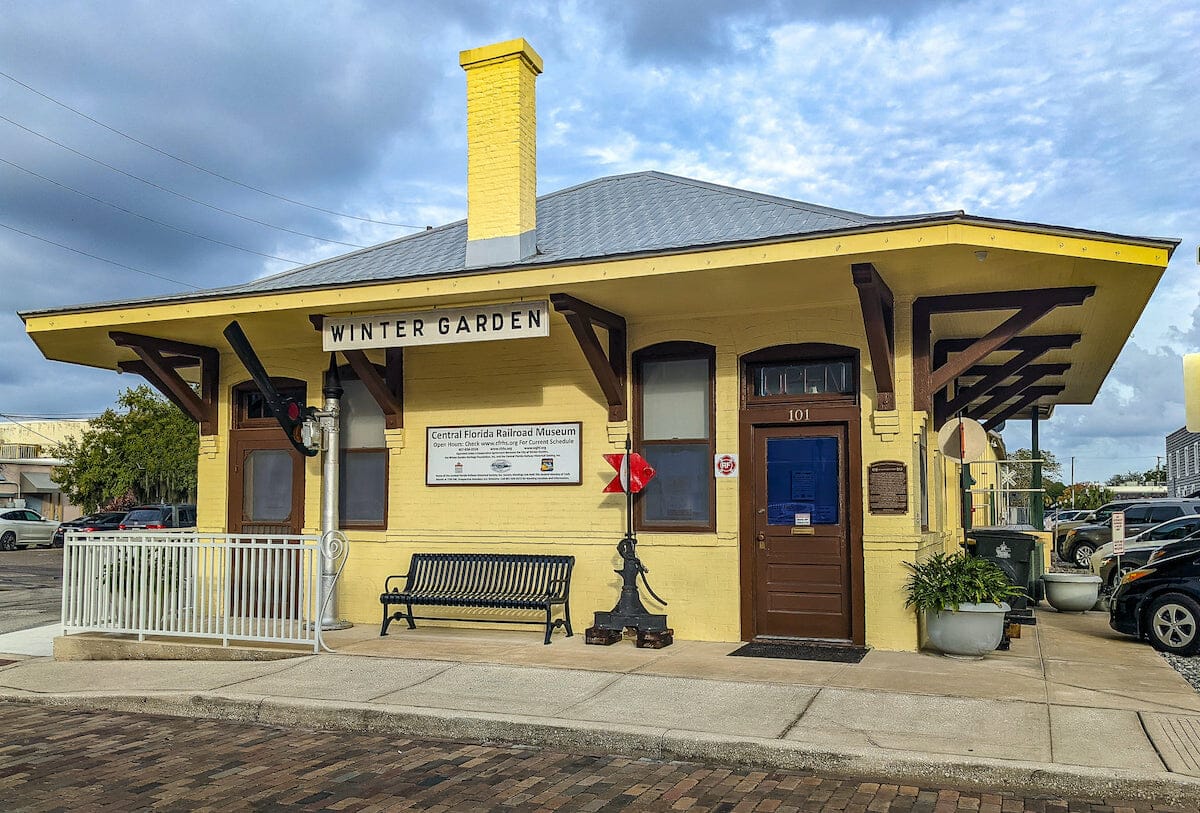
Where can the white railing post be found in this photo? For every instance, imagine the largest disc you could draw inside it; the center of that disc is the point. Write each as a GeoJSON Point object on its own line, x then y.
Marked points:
{"type": "Point", "coordinates": [166, 584]}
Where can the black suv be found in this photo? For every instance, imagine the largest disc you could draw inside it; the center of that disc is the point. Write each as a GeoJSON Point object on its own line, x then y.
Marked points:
{"type": "Point", "coordinates": [103, 521]}
{"type": "Point", "coordinates": [1161, 601]}
{"type": "Point", "coordinates": [159, 517]}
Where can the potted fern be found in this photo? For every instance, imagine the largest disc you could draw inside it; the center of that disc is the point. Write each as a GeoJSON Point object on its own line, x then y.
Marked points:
{"type": "Point", "coordinates": [962, 599]}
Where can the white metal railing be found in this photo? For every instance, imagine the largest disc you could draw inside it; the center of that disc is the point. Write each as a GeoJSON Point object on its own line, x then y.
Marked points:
{"type": "Point", "coordinates": [184, 584]}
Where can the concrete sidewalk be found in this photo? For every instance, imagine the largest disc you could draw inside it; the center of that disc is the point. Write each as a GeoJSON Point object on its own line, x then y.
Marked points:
{"type": "Point", "coordinates": [1073, 709]}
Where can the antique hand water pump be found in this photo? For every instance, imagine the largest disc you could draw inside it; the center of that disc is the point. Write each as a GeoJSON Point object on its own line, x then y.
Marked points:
{"type": "Point", "coordinates": [651, 629]}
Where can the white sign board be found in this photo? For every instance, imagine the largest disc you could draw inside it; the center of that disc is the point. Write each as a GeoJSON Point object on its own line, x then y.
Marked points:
{"type": "Point", "coordinates": [481, 323]}
{"type": "Point", "coordinates": [505, 454]}
{"type": "Point", "coordinates": [1118, 532]}
{"type": "Point", "coordinates": [725, 465]}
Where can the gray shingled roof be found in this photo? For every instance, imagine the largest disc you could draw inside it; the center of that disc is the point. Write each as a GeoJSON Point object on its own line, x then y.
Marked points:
{"type": "Point", "coordinates": [645, 212]}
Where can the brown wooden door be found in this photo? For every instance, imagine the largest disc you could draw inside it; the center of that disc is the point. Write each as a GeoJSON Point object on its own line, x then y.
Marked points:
{"type": "Point", "coordinates": [801, 532]}
{"type": "Point", "coordinates": [266, 498]}
{"type": "Point", "coordinates": [266, 484]}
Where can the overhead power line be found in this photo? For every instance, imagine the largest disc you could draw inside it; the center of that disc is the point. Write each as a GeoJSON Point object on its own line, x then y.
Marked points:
{"type": "Point", "coordinates": [148, 219]}
{"type": "Point", "coordinates": [98, 257]}
{"type": "Point", "coordinates": [172, 191]}
{"type": "Point", "coordinates": [195, 166]}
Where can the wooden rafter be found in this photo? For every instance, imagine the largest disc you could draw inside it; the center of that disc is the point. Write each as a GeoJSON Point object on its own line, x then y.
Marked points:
{"type": "Point", "coordinates": [159, 363]}
{"type": "Point", "coordinates": [877, 304]}
{"type": "Point", "coordinates": [1030, 306]}
{"type": "Point", "coordinates": [386, 389]}
{"type": "Point", "coordinates": [610, 368]}
{"type": "Point", "coordinates": [1002, 395]}
{"type": "Point", "coordinates": [1030, 396]}
{"type": "Point", "coordinates": [994, 376]}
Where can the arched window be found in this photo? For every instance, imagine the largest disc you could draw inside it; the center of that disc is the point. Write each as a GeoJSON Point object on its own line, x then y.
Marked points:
{"type": "Point", "coordinates": [674, 430]}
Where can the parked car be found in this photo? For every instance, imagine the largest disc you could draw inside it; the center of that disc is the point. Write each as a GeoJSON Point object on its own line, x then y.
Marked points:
{"type": "Point", "coordinates": [1068, 515]}
{"type": "Point", "coordinates": [1138, 549]}
{"type": "Point", "coordinates": [1179, 547]}
{"type": "Point", "coordinates": [1161, 602]}
{"type": "Point", "coordinates": [1083, 541]}
{"type": "Point", "coordinates": [103, 521]}
{"type": "Point", "coordinates": [159, 517]}
{"type": "Point", "coordinates": [22, 527]}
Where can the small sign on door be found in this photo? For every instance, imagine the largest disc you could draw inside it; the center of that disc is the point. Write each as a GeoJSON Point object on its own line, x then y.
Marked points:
{"type": "Point", "coordinates": [803, 520]}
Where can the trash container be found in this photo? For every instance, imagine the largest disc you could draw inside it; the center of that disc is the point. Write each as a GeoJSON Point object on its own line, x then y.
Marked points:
{"type": "Point", "coordinates": [1017, 554]}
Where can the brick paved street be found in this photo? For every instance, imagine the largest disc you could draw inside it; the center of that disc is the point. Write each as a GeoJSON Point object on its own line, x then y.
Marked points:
{"type": "Point", "coordinates": [64, 760]}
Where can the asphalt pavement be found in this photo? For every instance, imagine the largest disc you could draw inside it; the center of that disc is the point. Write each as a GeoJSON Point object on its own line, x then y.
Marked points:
{"type": "Point", "coordinates": [30, 588]}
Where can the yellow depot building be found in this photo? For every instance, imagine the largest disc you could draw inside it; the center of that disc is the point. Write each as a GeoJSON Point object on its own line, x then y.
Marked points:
{"type": "Point", "coordinates": [489, 364]}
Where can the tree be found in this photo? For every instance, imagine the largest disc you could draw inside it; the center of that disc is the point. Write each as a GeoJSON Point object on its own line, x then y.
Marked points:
{"type": "Point", "coordinates": [1055, 489]}
{"type": "Point", "coordinates": [1020, 469]}
{"type": "Point", "coordinates": [142, 451]}
{"type": "Point", "coordinates": [1087, 495]}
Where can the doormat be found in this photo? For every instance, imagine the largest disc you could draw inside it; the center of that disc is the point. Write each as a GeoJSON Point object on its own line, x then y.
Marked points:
{"type": "Point", "coordinates": [802, 651]}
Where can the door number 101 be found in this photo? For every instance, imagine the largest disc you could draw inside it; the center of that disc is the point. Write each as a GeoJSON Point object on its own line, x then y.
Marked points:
{"type": "Point", "coordinates": [797, 414]}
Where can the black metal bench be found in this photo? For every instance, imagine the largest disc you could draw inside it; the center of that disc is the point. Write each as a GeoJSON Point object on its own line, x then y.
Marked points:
{"type": "Point", "coordinates": [501, 581]}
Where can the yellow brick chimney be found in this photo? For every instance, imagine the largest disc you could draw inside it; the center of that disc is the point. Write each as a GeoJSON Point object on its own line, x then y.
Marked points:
{"type": "Point", "coordinates": [501, 152]}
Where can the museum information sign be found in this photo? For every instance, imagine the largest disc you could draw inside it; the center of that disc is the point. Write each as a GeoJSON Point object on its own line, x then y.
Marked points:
{"type": "Point", "coordinates": [505, 454]}
{"type": "Point", "coordinates": [481, 323]}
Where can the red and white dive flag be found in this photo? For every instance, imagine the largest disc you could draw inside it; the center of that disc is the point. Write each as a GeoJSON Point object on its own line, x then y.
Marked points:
{"type": "Point", "coordinates": [633, 472]}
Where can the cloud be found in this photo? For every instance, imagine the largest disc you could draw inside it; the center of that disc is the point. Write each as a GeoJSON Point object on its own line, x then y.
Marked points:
{"type": "Point", "coordinates": [1069, 113]}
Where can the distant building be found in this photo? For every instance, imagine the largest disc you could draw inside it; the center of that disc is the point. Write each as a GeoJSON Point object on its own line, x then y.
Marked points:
{"type": "Point", "coordinates": [1183, 463]}
{"type": "Point", "coordinates": [26, 463]}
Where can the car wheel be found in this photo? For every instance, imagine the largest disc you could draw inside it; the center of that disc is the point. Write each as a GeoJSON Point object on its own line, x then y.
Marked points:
{"type": "Point", "coordinates": [1174, 624]}
{"type": "Point", "coordinates": [1081, 555]}
{"type": "Point", "coordinates": [8, 541]}
{"type": "Point", "coordinates": [1114, 578]}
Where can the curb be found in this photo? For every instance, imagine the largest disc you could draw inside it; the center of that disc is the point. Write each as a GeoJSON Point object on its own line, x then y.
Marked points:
{"type": "Point", "coordinates": [910, 768]}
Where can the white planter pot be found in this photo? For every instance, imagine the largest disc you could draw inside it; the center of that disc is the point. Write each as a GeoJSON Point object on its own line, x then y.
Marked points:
{"type": "Point", "coordinates": [1071, 592]}
{"type": "Point", "coordinates": [971, 631]}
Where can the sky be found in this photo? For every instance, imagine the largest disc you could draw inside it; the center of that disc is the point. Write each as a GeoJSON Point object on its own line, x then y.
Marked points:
{"type": "Point", "coordinates": [262, 125]}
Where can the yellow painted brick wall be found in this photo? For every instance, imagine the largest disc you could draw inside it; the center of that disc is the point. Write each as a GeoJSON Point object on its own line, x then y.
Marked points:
{"type": "Point", "coordinates": [540, 380]}
{"type": "Point", "coordinates": [501, 146]}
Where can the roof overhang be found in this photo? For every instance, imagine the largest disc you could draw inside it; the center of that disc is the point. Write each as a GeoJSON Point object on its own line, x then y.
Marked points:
{"type": "Point", "coordinates": [940, 256]}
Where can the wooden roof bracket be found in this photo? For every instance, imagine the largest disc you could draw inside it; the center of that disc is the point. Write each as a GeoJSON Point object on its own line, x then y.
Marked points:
{"type": "Point", "coordinates": [610, 370]}
{"type": "Point", "coordinates": [1030, 396]}
{"type": "Point", "coordinates": [878, 311]}
{"type": "Point", "coordinates": [386, 389]}
{"type": "Point", "coordinates": [1002, 395]}
{"type": "Point", "coordinates": [159, 363]}
{"type": "Point", "coordinates": [1029, 305]}
{"type": "Point", "coordinates": [992, 376]}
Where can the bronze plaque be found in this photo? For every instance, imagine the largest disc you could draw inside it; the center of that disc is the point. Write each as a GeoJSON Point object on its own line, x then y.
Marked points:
{"type": "Point", "coordinates": [887, 487]}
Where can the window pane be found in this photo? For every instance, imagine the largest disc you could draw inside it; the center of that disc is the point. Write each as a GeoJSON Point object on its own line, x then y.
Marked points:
{"type": "Point", "coordinates": [679, 492]}
{"type": "Point", "coordinates": [802, 479]}
{"type": "Point", "coordinates": [804, 379]}
{"type": "Point", "coordinates": [675, 399]}
{"type": "Point", "coordinates": [267, 486]}
{"type": "Point", "coordinates": [363, 486]}
{"type": "Point", "coordinates": [362, 420]}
